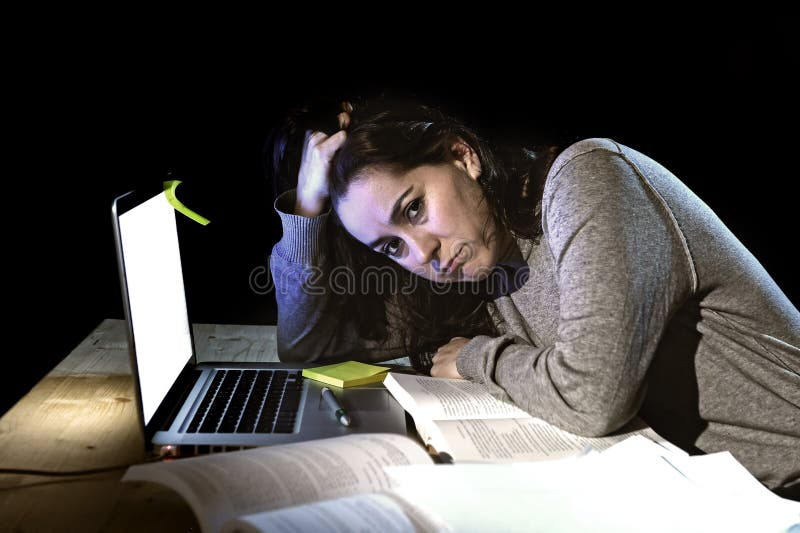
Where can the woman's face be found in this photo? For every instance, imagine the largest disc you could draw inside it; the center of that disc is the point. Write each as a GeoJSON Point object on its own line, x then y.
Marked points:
{"type": "Point", "coordinates": [432, 220]}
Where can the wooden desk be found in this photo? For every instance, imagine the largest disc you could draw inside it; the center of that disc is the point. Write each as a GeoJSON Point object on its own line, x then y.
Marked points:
{"type": "Point", "coordinates": [82, 416]}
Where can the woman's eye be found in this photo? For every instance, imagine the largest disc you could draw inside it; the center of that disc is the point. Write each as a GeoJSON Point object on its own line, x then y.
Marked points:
{"type": "Point", "coordinates": [392, 247]}
{"type": "Point", "coordinates": [414, 208]}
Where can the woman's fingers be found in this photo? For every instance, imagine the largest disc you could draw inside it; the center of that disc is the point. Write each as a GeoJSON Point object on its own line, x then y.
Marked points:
{"type": "Point", "coordinates": [334, 142]}
{"type": "Point", "coordinates": [344, 119]}
{"type": "Point", "coordinates": [322, 145]}
{"type": "Point", "coordinates": [314, 138]}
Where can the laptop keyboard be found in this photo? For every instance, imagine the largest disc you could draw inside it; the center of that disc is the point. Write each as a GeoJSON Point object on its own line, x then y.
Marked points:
{"type": "Point", "coordinates": [249, 401]}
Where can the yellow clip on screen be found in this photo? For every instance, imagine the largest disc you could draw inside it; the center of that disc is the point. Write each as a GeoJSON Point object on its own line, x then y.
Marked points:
{"type": "Point", "coordinates": [169, 190]}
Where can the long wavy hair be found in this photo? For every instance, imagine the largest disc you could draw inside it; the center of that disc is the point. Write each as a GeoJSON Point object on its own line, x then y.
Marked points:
{"type": "Point", "coordinates": [398, 136]}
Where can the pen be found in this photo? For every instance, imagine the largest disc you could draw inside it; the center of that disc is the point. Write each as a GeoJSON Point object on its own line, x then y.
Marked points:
{"type": "Point", "coordinates": [445, 458]}
{"type": "Point", "coordinates": [333, 403]}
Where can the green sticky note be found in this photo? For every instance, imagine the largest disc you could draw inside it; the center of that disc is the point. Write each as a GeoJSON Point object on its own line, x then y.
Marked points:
{"type": "Point", "coordinates": [347, 374]}
{"type": "Point", "coordinates": [169, 190]}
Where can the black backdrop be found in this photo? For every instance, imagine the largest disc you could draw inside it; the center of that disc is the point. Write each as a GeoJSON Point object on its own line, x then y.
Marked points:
{"type": "Point", "coordinates": [95, 122]}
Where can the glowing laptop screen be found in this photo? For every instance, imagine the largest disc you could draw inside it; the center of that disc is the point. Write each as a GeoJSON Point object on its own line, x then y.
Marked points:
{"type": "Point", "coordinates": [149, 237]}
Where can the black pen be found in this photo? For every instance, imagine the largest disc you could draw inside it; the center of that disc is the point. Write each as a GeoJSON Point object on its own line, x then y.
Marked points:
{"type": "Point", "coordinates": [333, 403]}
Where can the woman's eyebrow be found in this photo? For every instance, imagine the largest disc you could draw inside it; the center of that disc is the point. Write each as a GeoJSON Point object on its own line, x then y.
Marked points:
{"type": "Point", "coordinates": [395, 213]}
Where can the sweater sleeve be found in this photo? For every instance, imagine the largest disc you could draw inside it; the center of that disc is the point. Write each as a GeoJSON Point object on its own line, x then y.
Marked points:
{"type": "Point", "coordinates": [307, 329]}
{"type": "Point", "coordinates": [622, 269]}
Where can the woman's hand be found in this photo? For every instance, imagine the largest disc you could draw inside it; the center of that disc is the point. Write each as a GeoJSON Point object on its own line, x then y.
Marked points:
{"type": "Point", "coordinates": [444, 362]}
{"type": "Point", "coordinates": [313, 187]}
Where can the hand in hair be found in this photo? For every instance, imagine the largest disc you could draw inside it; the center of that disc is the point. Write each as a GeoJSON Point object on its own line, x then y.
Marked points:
{"type": "Point", "coordinates": [312, 180]}
{"type": "Point", "coordinates": [444, 362]}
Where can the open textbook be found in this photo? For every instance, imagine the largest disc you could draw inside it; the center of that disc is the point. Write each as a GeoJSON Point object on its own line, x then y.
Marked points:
{"type": "Point", "coordinates": [461, 419]}
{"type": "Point", "coordinates": [336, 484]}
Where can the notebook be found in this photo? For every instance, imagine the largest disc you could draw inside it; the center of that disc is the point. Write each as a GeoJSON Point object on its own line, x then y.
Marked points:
{"type": "Point", "coordinates": [196, 407]}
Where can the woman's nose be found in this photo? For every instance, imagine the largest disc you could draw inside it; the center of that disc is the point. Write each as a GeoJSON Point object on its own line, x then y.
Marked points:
{"type": "Point", "coordinates": [423, 248]}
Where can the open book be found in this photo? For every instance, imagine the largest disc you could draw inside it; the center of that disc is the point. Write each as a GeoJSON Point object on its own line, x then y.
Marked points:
{"type": "Point", "coordinates": [461, 419]}
{"type": "Point", "coordinates": [335, 484]}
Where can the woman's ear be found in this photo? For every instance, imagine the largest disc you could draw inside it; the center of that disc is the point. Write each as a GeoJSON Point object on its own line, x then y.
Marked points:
{"type": "Point", "coordinates": [466, 158]}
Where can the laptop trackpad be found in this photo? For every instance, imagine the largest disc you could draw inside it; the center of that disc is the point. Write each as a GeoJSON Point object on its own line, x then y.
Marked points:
{"type": "Point", "coordinates": [361, 400]}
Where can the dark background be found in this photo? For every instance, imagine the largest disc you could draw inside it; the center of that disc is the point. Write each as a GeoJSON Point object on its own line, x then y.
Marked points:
{"type": "Point", "coordinates": [93, 121]}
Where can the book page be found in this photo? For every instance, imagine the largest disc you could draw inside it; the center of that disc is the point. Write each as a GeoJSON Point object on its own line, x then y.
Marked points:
{"type": "Point", "coordinates": [222, 486]}
{"type": "Point", "coordinates": [628, 488]}
{"type": "Point", "coordinates": [447, 399]}
{"type": "Point", "coordinates": [514, 439]}
{"type": "Point", "coordinates": [386, 513]}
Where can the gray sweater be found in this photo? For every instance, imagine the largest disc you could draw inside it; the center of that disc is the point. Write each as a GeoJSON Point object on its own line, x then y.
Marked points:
{"type": "Point", "coordinates": [637, 299]}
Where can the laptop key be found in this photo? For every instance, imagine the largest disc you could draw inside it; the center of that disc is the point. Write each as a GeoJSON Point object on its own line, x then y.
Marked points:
{"type": "Point", "coordinates": [265, 423]}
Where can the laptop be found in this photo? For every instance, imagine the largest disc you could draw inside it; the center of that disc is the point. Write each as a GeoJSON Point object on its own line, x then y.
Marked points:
{"type": "Point", "coordinates": [189, 408]}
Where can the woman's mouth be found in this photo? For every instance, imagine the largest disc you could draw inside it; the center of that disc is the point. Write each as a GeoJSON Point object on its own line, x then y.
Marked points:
{"type": "Point", "coordinates": [455, 263]}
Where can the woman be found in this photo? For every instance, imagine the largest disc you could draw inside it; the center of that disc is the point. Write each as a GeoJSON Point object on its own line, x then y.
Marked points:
{"type": "Point", "coordinates": [610, 288]}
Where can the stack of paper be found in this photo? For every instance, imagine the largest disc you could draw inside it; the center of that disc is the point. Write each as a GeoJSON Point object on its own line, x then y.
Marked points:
{"type": "Point", "coordinates": [636, 485]}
